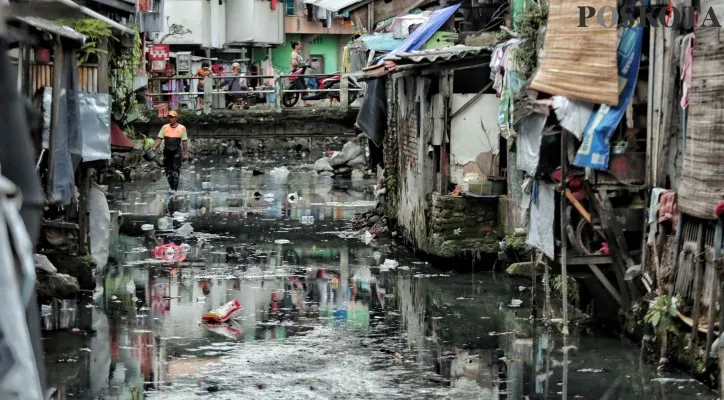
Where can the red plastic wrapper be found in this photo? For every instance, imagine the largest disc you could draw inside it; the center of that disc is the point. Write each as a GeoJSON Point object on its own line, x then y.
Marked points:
{"type": "Point", "coordinates": [169, 252]}
{"type": "Point", "coordinates": [223, 313]}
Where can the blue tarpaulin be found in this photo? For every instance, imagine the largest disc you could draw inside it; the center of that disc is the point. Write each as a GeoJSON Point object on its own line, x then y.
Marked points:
{"type": "Point", "coordinates": [595, 147]}
{"type": "Point", "coordinates": [424, 32]}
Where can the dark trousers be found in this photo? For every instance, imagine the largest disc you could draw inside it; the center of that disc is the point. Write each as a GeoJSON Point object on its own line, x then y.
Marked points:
{"type": "Point", "coordinates": [172, 161]}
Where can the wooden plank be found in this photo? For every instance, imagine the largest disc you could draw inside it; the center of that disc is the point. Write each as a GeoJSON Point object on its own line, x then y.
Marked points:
{"type": "Point", "coordinates": [667, 106]}
{"type": "Point", "coordinates": [698, 284]}
{"type": "Point", "coordinates": [606, 283]}
{"type": "Point", "coordinates": [84, 211]}
{"type": "Point", "coordinates": [619, 263]}
{"type": "Point", "coordinates": [588, 260]}
{"type": "Point", "coordinates": [60, 224]}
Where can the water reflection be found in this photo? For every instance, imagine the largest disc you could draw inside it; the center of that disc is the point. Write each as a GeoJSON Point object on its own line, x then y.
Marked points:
{"type": "Point", "coordinates": [320, 319]}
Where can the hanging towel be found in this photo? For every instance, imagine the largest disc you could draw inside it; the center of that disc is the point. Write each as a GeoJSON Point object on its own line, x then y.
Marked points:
{"type": "Point", "coordinates": [686, 66]}
{"type": "Point", "coordinates": [542, 214]}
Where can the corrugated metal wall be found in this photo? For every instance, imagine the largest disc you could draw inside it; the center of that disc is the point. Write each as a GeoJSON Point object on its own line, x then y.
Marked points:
{"type": "Point", "coordinates": [41, 75]}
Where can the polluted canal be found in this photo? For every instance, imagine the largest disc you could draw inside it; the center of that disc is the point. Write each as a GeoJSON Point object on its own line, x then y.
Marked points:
{"type": "Point", "coordinates": [326, 313]}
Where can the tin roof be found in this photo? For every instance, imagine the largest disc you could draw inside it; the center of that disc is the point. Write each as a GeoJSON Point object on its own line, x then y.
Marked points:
{"type": "Point", "coordinates": [442, 53]}
{"type": "Point", "coordinates": [52, 27]}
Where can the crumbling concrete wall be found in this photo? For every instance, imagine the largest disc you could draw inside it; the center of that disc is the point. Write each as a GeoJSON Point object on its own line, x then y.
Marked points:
{"type": "Point", "coordinates": [444, 226]}
{"type": "Point", "coordinates": [461, 225]}
{"type": "Point", "coordinates": [474, 137]}
{"type": "Point", "coordinates": [261, 123]}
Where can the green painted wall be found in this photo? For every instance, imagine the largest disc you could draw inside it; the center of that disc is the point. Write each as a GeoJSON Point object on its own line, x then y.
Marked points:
{"type": "Point", "coordinates": [326, 45]}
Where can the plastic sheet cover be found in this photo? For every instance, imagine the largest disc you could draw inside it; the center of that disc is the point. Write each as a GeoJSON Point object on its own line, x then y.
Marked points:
{"type": "Point", "coordinates": [68, 143]}
{"type": "Point", "coordinates": [95, 125]}
{"type": "Point", "coordinates": [372, 116]}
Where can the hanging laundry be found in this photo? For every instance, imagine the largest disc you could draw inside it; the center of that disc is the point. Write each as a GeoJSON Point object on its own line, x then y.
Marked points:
{"type": "Point", "coordinates": [273, 4]}
{"type": "Point", "coordinates": [513, 79]}
{"type": "Point", "coordinates": [529, 139]}
{"type": "Point", "coordinates": [572, 115]}
{"type": "Point", "coordinates": [542, 215]}
{"type": "Point", "coordinates": [686, 66]}
{"type": "Point", "coordinates": [668, 207]}
{"type": "Point", "coordinates": [321, 14]}
{"type": "Point", "coordinates": [311, 12]}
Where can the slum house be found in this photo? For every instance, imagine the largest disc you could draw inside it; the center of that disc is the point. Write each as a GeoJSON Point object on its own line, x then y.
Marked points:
{"type": "Point", "coordinates": [74, 135]}
{"type": "Point", "coordinates": [442, 133]}
{"type": "Point", "coordinates": [557, 124]}
{"type": "Point", "coordinates": [622, 145]}
{"type": "Point", "coordinates": [439, 135]}
{"type": "Point", "coordinates": [684, 170]}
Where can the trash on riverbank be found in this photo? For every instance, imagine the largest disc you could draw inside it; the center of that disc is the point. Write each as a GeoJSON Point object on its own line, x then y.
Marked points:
{"type": "Point", "coordinates": [223, 313]}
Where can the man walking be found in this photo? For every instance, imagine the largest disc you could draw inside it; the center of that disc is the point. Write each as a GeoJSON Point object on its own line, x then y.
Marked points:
{"type": "Point", "coordinates": [174, 137]}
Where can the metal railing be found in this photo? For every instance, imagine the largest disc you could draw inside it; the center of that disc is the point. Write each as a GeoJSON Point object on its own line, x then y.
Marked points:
{"type": "Point", "coordinates": [267, 93]}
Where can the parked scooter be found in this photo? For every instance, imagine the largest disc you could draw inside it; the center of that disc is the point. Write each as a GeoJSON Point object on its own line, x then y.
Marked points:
{"type": "Point", "coordinates": [332, 81]}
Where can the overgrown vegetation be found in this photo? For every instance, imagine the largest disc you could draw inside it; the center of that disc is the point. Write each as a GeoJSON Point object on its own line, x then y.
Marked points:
{"type": "Point", "coordinates": [573, 288]}
{"type": "Point", "coordinates": [531, 19]}
{"type": "Point", "coordinates": [96, 32]}
{"type": "Point", "coordinates": [529, 25]}
{"type": "Point", "coordinates": [122, 63]}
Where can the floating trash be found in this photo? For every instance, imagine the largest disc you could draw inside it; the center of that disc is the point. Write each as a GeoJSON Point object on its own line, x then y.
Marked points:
{"type": "Point", "coordinates": [223, 313]}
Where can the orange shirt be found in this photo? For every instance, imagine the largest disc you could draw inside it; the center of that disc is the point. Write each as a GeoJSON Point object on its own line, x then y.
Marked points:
{"type": "Point", "coordinates": [169, 132]}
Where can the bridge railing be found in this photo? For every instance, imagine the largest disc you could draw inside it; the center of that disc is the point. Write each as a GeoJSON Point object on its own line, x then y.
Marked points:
{"type": "Point", "coordinates": [260, 91]}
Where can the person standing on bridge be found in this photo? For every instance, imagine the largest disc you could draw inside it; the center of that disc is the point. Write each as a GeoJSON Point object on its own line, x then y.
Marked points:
{"type": "Point", "coordinates": [296, 61]}
{"type": "Point", "coordinates": [175, 148]}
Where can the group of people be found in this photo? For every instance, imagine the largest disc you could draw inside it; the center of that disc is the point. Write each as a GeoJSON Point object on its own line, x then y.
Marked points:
{"type": "Point", "coordinates": [233, 83]}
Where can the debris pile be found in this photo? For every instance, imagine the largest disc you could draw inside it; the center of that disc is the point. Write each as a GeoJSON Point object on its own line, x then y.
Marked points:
{"type": "Point", "coordinates": [342, 163]}
{"type": "Point", "coordinates": [373, 221]}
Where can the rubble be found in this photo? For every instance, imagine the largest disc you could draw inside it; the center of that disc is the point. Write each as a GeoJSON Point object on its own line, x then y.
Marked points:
{"type": "Point", "coordinates": [350, 161]}
{"type": "Point", "coordinates": [52, 284]}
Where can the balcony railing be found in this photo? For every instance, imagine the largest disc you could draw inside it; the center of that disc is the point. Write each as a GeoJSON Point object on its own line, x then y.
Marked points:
{"type": "Point", "coordinates": [180, 92]}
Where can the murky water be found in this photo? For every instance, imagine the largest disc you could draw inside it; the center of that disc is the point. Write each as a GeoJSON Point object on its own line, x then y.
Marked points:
{"type": "Point", "coordinates": [321, 319]}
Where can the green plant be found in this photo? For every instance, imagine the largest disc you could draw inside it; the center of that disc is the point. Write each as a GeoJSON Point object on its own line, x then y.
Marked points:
{"type": "Point", "coordinates": [96, 31]}
{"type": "Point", "coordinates": [573, 289]}
{"type": "Point", "coordinates": [531, 18]}
{"type": "Point", "coordinates": [123, 64]}
{"type": "Point", "coordinates": [661, 315]}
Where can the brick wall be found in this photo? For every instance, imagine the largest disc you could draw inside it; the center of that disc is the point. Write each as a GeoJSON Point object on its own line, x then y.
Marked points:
{"type": "Point", "coordinates": [459, 225]}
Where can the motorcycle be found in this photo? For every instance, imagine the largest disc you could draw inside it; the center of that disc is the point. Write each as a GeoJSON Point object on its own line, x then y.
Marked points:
{"type": "Point", "coordinates": [298, 82]}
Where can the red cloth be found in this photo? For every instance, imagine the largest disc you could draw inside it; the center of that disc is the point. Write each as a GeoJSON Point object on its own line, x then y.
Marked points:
{"type": "Point", "coordinates": [668, 207]}
{"type": "Point", "coordinates": [604, 249]}
{"type": "Point", "coordinates": [719, 209]}
{"type": "Point", "coordinates": [273, 4]}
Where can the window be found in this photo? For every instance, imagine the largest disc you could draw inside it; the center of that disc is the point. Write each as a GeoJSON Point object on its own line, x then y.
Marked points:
{"type": "Point", "coordinates": [290, 8]}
